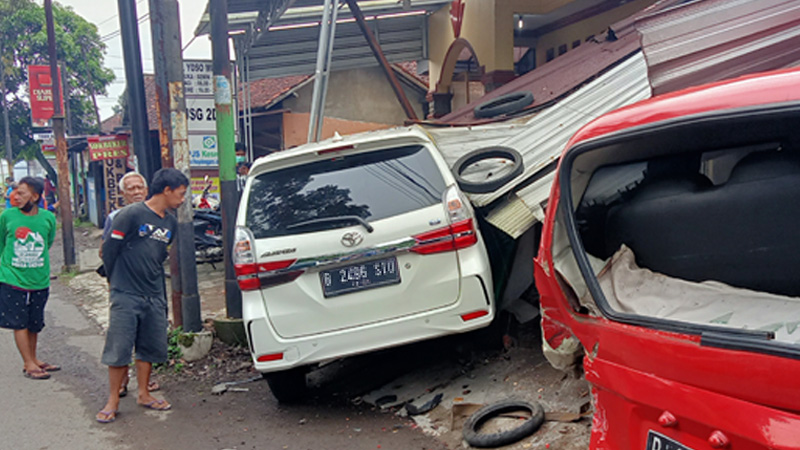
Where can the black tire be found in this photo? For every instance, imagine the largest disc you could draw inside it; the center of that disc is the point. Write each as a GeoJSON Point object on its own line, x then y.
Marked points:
{"type": "Point", "coordinates": [482, 187]}
{"type": "Point", "coordinates": [288, 386]}
{"type": "Point", "coordinates": [505, 104]}
{"type": "Point", "coordinates": [526, 428]}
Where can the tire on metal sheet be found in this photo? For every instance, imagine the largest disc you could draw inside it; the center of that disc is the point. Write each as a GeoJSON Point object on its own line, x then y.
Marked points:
{"type": "Point", "coordinates": [505, 104]}
{"type": "Point", "coordinates": [287, 386]}
{"type": "Point", "coordinates": [482, 187]}
{"type": "Point", "coordinates": [499, 439]}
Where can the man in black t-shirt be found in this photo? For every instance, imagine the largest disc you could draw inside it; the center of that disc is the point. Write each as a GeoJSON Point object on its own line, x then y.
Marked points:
{"type": "Point", "coordinates": [133, 257]}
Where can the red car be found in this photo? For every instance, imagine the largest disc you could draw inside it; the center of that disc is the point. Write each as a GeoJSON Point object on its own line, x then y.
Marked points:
{"type": "Point", "coordinates": [670, 262]}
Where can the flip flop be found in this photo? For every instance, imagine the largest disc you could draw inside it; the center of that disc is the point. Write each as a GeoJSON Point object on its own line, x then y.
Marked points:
{"type": "Point", "coordinates": [36, 374]}
{"type": "Point", "coordinates": [47, 367]}
{"type": "Point", "coordinates": [123, 392]}
{"type": "Point", "coordinates": [158, 405]}
{"type": "Point", "coordinates": [153, 386]}
{"type": "Point", "coordinates": [108, 416]}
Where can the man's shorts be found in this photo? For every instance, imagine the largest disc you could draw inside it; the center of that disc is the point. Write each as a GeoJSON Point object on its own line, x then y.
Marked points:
{"type": "Point", "coordinates": [139, 322]}
{"type": "Point", "coordinates": [22, 309]}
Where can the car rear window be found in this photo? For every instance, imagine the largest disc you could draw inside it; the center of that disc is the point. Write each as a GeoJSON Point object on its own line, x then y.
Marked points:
{"type": "Point", "coordinates": [371, 186]}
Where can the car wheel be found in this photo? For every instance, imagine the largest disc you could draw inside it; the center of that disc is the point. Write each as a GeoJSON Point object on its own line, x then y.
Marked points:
{"type": "Point", "coordinates": [499, 439]}
{"type": "Point", "coordinates": [505, 104]}
{"type": "Point", "coordinates": [483, 187]}
{"type": "Point", "coordinates": [288, 386]}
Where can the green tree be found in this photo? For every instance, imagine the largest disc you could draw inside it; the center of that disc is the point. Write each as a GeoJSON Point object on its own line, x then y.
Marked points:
{"type": "Point", "coordinates": [23, 42]}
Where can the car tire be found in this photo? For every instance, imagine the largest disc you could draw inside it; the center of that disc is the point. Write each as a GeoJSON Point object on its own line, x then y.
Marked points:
{"type": "Point", "coordinates": [483, 187]}
{"type": "Point", "coordinates": [526, 428]}
{"type": "Point", "coordinates": [288, 386]}
{"type": "Point", "coordinates": [505, 104]}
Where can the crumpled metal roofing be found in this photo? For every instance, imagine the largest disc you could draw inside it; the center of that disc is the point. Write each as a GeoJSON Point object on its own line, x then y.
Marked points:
{"type": "Point", "coordinates": [540, 139]}
{"type": "Point", "coordinates": [701, 42]}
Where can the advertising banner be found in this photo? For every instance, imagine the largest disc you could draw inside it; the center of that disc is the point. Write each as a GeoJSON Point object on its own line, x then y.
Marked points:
{"type": "Point", "coordinates": [107, 147]}
{"type": "Point", "coordinates": [113, 170]}
{"type": "Point", "coordinates": [201, 114]}
{"type": "Point", "coordinates": [203, 150]}
{"type": "Point", "coordinates": [40, 86]}
{"type": "Point", "coordinates": [49, 149]}
{"type": "Point", "coordinates": [199, 184]}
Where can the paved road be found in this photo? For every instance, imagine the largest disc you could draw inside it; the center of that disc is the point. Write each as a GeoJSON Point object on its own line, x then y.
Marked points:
{"type": "Point", "coordinates": [59, 413]}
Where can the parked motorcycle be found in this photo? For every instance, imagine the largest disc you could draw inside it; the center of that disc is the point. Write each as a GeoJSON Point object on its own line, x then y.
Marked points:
{"type": "Point", "coordinates": [207, 236]}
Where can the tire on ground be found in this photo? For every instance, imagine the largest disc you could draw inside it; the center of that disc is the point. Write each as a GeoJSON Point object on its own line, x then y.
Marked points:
{"type": "Point", "coordinates": [288, 386]}
{"type": "Point", "coordinates": [482, 187]}
{"type": "Point", "coordinates": [505, 104]}
{"type": "Point", "coordinates": [499, 439]}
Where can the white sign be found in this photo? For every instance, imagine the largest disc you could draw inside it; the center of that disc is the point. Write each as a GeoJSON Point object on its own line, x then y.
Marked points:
{"type": "Point", "coordinates": [202, 115]}
{"type": "Point", "coordinates": [197, 78]}
{"type": "Point", "coordinates": [203, 150]}
{"type": "Point", "coordinates": [46, 136]}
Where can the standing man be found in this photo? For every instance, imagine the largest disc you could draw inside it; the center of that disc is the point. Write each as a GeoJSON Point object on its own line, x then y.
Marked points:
{"type": "Point", "coordinates": [26, 234]}
{"type": "Point", "coordinates": [133, 257]}
{"type": "Point", "coordinates": [134, 190]}
{"type": "Point", "coordinates": [9, 189]}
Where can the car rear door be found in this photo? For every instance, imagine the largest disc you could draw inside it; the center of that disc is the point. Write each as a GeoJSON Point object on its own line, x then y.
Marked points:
{"type": "Point", "coordinates": [342, 230]}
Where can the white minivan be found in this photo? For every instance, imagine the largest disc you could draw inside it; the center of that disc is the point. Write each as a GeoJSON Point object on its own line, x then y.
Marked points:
{"type": "Point", "coordinates": [352, 245]}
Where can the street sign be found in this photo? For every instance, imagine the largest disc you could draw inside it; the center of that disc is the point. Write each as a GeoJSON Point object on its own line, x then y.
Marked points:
{"type": "Point", "coordinates": [198, 86]}
{"type": "Point", "coordinates": [40, 85]}
{"type": "Point", "coordinates": [44, 136]}
{"type": "Point", "coordinates": [107, 147]}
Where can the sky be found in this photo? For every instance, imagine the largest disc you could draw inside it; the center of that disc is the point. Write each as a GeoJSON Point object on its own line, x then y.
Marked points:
{"type": "Point", "coordinates": [107, 21]}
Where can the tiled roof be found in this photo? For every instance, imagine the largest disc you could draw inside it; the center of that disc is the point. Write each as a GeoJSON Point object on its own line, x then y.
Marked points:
{"type": "Point", "coordinates": [265, 91]}
{"type": "Point", "coordinates": [410, 67]}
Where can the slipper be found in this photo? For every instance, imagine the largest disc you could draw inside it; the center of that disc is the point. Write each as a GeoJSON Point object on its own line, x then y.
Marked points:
{"type": "Point", "coordinates": [36, 374]}
{"type": "Point", "coordinates": [123, 392]}
{"type": "Point", "coordinates": [50, 367]}
{"type": "Point", "coordinates": [158, 405]}
{"type": "Point", "coordinates": [153, 386]}
{"type": "Point", "coordinates": [107, 416]}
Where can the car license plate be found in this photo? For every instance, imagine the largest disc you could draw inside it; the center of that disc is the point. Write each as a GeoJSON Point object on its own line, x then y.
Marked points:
{"type": "Point", "coordinates": [357, 277]}
{"type": "Point", "coordinates": [657, 441]}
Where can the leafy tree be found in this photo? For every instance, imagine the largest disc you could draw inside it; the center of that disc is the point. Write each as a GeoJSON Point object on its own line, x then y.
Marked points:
{"type": "Point", "coordinates": [23, 42]}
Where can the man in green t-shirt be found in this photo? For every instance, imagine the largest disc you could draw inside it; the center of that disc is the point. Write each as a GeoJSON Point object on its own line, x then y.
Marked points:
{"type": "Point", "coordinates": [26, 234]}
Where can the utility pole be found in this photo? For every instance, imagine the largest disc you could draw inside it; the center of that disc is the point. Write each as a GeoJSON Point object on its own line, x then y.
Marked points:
{"type": "Point", "coordinates": [137, 103]}
{"type": "Point", "coordinates": [166, 32]}
{"type": "Point", "coordinates": [223, 102]}
{"type": "Point", "coordinates": [64, 202]}
{"type": "Point", "coordinates": [9, 154]}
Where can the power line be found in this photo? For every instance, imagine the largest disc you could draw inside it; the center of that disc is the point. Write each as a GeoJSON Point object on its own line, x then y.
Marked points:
{"type": "Point", "coordinates": [113, 17]}
{"type": "Point", "coordinates": [116, 33]}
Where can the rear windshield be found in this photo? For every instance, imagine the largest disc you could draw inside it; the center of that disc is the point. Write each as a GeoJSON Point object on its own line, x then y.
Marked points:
{"type": "Point", "coordinates": [370, 186]}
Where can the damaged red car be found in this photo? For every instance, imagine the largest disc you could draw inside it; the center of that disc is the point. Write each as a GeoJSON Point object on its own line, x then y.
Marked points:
{"type": "Point", "coordinates": [669, 268]}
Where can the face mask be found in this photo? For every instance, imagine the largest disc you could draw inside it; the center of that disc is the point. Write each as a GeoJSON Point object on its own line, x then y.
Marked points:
{"type": "Point", "coordinates": [27, 207]}
{"type": "Point", "coordinates": [240, 159]}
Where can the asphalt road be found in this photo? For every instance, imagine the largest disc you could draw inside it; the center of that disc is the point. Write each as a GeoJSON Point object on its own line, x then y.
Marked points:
{"type": "Point", "coordinates": [59, 413]}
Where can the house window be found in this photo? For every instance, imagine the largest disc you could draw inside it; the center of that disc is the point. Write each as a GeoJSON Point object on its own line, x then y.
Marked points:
{"type": "Point", "coordinates": [551, 54]}
{"type": "Point", "coordinates": [562, 49]}
{"type": "Point", "coordinates": [576, 44]}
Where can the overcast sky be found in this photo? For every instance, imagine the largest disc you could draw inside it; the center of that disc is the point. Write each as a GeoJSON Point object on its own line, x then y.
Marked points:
{"type": "Point", "coordinates": [103, 13]}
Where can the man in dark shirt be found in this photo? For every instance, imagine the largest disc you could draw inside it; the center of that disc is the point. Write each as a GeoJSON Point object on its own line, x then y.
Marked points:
{"type": "Point", "coordinates": [133, 257]}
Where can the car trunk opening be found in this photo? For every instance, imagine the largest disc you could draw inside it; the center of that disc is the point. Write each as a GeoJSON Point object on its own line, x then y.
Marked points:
{"type": "Point", "coordinates": [689, 226]}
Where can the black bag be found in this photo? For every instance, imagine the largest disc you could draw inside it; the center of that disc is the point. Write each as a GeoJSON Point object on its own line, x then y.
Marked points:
{"type": "Point", "coordinates": [101, 271]}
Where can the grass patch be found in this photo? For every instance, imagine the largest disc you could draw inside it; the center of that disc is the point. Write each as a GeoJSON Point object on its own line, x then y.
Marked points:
{"type": "Point", "coordinates": [67, 275]}
{"type": "Point", "coordinates": [174, 362]}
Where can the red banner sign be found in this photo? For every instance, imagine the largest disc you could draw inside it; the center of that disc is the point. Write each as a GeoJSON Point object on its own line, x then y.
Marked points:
{"type": "Point", "coordinates": [108, 147]}
{"type": "Point", "coordinates": [41, 92]}
{"type": "Point", "coordinates": [48, 150]}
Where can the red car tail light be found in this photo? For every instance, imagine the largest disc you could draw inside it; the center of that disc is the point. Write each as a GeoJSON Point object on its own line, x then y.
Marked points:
{"type": "Point", "coordinates": [452, 237]}
{"type": "Point", "coordinates": [251, 275]}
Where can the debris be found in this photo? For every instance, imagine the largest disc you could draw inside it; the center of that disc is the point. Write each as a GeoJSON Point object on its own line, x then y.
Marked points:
{"type": "Point", "coordinates": [221, 388]}
{"type": "Point", "coordinates": [386, 399]}
{"type": "Point", "coordinates": [302, 421]}
{"type": "Point", "coordinates": [427, 406]}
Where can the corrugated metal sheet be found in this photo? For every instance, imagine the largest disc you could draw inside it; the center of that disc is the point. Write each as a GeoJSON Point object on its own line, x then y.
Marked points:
{"type": "Point", "coordinates": [705, 41]}
{"type": "Point", "coordinates": [294, 52]}
{"type": "Point", "coordinates": [541, 138]}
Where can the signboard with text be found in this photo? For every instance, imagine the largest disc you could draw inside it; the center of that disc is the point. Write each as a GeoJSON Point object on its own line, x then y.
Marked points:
{"type": "Point", "coordinates": [113, 170]}
{"type": "Point", "coordinates": [201, 114]}
{"type": "Point", "coordinates": [107, 147]}
{"type": "Point", "coordinates": [40, 85]}
{"type": "Point", "coordinates": [199, 184]}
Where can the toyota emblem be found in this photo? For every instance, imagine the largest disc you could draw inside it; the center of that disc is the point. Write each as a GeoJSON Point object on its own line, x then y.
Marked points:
{"type": "Point", "coordinates": [352, 239]}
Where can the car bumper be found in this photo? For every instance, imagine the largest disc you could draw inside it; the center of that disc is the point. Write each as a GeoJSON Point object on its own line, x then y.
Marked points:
{"type": "Point", "coordinates": [306, 350]}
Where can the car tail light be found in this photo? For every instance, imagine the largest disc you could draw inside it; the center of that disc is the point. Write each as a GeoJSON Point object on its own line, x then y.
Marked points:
{"type": "Point", "coordinates": [251, 275]}
{"type": "Point", "coordinates": [270, 357]}
{"type": "Point", "coordinates": [461, 232]}
{"type": "Point", "coordinates": [474, 315]}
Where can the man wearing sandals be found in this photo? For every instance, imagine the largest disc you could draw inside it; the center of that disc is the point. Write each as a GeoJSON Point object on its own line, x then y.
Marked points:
{"type": "Point", "coordinates": [133, 257]}
{"type": "Point", "coordinates": [26, 234]}
{"type": "Point", "coordinates": [134, 190]}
